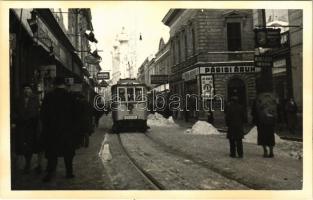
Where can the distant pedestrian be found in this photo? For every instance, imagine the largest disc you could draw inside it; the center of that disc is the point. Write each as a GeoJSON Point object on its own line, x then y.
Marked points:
{"type": "Point", "coordinates": [210, 117]}
{"type": "Point", "coordinates": [59, 118]}
{"type": "Point", "coordinates": [27, 124]}
{"type": "Point", "coordinates": [235, 121]}
{"type": "Point", "coordinates": [264, 113]}
{"type": "Point", "coordinates": [291, 112]}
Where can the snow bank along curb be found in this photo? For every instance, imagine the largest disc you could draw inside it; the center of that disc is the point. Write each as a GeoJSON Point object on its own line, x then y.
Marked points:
{"type": "Point", "coordinates": [290, 148]}
{"type": "Point", "coordinates": [202, 128]}
{"type": "Point", "coordinates": [157, 119]}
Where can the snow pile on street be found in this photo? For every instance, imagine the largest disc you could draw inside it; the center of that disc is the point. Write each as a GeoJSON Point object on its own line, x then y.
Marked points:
{"type": "Point", "coordinates": [202, 128]}
{"type": "Point", "coordinates": [104, 153]}
{"type": "Point", "coordinates": [252, 137]}
{"type": "Point", "coordinates": [157, 119]}
{"type": "Point", "coordinates": [290, 148]}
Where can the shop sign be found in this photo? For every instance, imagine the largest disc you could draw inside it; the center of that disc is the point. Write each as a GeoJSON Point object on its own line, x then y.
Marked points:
{"type": "Point", "coordinates": [159, 79]}
{"type": "Point", "coordinates": [279, 63]}
{"type": "Point", "coordinates": [207, 87]}
{"type": "Point", "coordinates": [227, 69]}
{"type": "Point", "coordinates": [267, 38]}
{"type": "Point", "coordinates": [90, 59]}
{"type": "Point", "coordinates": [103, 84]}
{"type": "Point", "coordinates": [190, 75]}
{"type": "Point", "coordinates": [103, 75]}
{"type": "Point", "coordinates": [263, 61]}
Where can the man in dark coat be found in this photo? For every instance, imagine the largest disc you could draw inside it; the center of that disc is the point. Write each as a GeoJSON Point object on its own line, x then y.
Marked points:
{"type": "Point", "coordinates": [59, 133]}
{"type": "Point", "coordinates": [26, 123]}
{"type": "Point", "coordinates": [234, 121]}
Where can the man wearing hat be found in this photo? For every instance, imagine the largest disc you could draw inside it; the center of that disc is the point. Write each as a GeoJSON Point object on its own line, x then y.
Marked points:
{"type": "Point", "coordinates": [58, 118]}
{"type": "Point", "coordinates": [234, 121]}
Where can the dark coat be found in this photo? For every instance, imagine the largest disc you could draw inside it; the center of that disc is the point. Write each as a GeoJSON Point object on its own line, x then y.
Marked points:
{"type": "Point", "coordinates": [59, 117]}
{"type": "Point", "coordinates": [266, 136]}
{"type": "Point", "coordinates": [26, 123]}
{"type": "Point", "coordinates": [84, 124]}
{"type": "Point", "coordinates": [234, 120]}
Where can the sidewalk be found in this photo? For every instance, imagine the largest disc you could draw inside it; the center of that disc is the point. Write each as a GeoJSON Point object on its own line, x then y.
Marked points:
{"type": "Point", "coordinates": [88, 170]}
{"type": "Point", "coordinates": [282, 131]}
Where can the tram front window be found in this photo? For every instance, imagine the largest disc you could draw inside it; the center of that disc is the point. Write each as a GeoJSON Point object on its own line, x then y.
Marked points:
{"type": "Point", "coordinates": [130, 94]}
{"type": "Point", "coordinates": [121, 94]}
{"type": "Point", "coordinates": [138, 92]}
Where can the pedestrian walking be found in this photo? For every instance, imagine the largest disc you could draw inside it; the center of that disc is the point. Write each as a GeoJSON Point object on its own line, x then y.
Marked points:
{"type": "Point", "coordinates": [264, 114]}
{"type": "Point", "coordinates": [59, 118]}
{"type": "Point", "coordinates": [210, 117]}
{"type": "Point", "coordinates": [291, 112]}
{"type": "Point", "coordinates": [84, 125]}
{"type": "Point", "coordinates": [27, 124]}
{"type": "Point", "coordinates": [235, 120]}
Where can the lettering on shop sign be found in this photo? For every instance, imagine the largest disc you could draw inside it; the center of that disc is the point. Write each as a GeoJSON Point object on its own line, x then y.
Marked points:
{"type": "Point", "coordinates": [227, 69]}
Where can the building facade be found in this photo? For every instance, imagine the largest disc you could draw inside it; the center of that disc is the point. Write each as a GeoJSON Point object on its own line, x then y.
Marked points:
{"type": "Point", "coordinates": [211, 58]}
{"type": "Point", "coordinates": [296, 53]}
{"type": "Point", "coordinates": [40, 50]}
{"type": "Point", "coordinates": [161, 65]}
{"type": "Point", "coordinates": [296, 58]}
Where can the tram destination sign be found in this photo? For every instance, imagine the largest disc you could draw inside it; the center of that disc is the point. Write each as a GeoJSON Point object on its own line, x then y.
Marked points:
{"type": "Point", "coordinates": [159, 79]}
{"type": "Point", "coordinates": [103, 76]}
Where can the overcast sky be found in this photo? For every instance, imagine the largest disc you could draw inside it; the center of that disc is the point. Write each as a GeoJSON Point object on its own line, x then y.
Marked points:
{"type": "Point", "coordinates": [137, 18]}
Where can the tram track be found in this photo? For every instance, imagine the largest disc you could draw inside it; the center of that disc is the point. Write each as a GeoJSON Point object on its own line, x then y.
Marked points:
{"type": "Point", "coordinates": [200, 162]}
{"type": "Point", "coordinates": [173, 170]}
{"type": "Point", "coordinates": [148, 177]}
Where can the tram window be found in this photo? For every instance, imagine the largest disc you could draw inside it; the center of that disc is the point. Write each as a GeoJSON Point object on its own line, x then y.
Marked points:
{"type": "Point", "coordinates": [130, 94]}
{"type": "Point", "coordinates": [138, 92]}
{"type": "Point", "coordinates": [121, 94]}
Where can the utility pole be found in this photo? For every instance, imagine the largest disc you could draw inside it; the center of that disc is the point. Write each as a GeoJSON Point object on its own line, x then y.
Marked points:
{"type": "Point", "coordinates": [266, 79]}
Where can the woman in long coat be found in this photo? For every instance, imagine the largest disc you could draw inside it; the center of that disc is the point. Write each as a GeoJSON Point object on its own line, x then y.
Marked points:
{"type": "Point", "coordinates": [27, 123]}
{"type": "Point", "coordinates": [235, 120]}
{"type": "Point", "coordinates": [263, 106]}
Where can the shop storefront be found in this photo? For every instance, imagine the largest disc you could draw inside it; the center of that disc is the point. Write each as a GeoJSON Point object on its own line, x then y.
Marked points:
{"type": "Point", "coordinates": [208, 86]}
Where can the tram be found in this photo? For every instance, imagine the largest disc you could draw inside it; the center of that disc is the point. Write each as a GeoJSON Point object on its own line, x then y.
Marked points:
{"type": "Point", "coordinates": [129, 106]}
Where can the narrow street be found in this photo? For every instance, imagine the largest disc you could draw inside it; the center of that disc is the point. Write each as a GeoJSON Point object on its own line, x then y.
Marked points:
{"type": "Point", "coordinates": [173, 158]}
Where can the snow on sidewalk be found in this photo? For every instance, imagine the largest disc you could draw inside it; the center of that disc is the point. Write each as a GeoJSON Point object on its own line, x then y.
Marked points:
{"type": "Point", "coordinates": [290, 148]}
{"type": "Point", "coordinates": [202, 128]}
